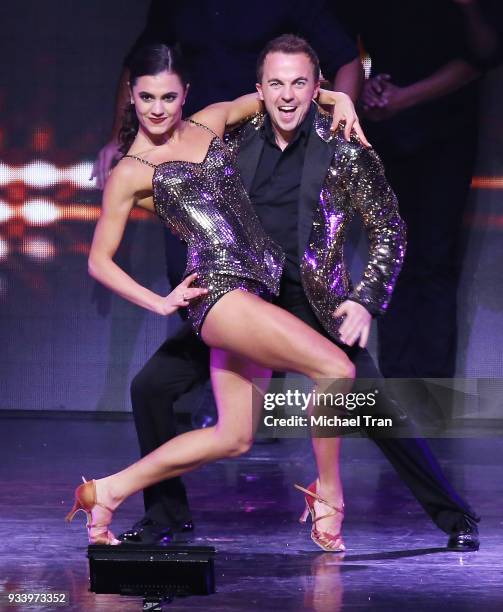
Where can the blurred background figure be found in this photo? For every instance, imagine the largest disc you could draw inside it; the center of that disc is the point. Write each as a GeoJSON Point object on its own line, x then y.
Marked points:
{"type": "Point", "coordinates": [420, 106]}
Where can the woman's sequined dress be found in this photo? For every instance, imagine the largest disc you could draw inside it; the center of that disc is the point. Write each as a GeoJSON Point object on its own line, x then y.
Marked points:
{"type": "Point", "coordinates": [206, 206]}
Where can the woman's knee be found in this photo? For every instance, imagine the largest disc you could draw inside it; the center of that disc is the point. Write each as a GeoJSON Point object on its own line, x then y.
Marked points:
{"type": "Point", "coordinates": [236, 445]}
{"type": "Point", "coordinates": [348, 369]}
{"type": "Point", "coordinates": [338, 367]}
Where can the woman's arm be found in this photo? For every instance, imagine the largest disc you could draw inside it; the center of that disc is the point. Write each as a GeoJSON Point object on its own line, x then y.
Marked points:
{"type": "Point", "coordinates": [118, 200]}
{"type": "Point", "coordinates": [222, 114]}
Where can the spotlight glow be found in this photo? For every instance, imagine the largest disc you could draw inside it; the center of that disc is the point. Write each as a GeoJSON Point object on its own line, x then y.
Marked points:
{"type": "Point", "coordinates": [39, 174]}
{"type": "Point", "coordinates": [79, 175]}
{"type": "Point", "coordinates": [367, 65]}
{"type": "Point", "coordinates": [5, 212]}
{"type": "Point", "coordinates": [4, 248]}
{"type": "Point", "coordinates": [39, 249]}
{"type": "Point", "coordinates": [40, 212]}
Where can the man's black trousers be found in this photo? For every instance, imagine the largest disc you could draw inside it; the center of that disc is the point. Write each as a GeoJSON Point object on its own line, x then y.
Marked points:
{"type": "Point", "coordinates": [181, 364]}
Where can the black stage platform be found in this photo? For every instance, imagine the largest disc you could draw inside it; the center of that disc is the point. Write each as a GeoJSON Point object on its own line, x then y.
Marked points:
{"type": "Point", "coordinates": [247, 509]}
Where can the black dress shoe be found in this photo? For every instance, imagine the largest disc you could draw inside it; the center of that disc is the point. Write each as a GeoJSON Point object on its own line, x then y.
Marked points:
{"type": "Point", "coordinates": [465, 539]}
{"type": "Point", "coordinates": [185, 527]}
{"type": "Point", "coordinates": [147, 531]}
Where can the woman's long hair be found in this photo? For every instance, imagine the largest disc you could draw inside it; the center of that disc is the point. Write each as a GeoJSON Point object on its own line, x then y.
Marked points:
{"type": "Point", "coordinates": [147, 61]}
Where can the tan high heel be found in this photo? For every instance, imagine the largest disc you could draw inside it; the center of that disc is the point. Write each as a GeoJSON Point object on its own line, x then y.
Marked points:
{"type": "Point", "coordinates": [327, 541]}
{"type": "Point", "coordinates": [85, 500]}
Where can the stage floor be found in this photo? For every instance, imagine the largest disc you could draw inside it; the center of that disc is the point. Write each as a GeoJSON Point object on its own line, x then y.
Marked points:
{"type": "Point", "coordinates": [247, 509]}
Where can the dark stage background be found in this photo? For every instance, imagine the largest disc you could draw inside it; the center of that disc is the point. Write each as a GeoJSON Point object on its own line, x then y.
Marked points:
{"type": "Point", "coordinates": [68, 344]}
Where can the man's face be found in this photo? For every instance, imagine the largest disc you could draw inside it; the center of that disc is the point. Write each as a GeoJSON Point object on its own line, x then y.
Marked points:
{"type": "Point", "coordinates": [287, 88]}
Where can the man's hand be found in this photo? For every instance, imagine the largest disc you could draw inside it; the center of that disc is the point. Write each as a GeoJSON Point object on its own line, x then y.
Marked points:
{"type": "Point", "coordinates": [381, 99]}
{"type": "Point", "coordinates": [356, 324]}
{"type": "Point", "coordinates": [373, 91]}
{"type": "Point", "coordinates": [103, 164]}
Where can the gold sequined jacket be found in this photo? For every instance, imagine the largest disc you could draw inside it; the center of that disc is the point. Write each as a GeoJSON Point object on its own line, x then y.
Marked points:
{"type": "Point", "coordinates": [339, 179]}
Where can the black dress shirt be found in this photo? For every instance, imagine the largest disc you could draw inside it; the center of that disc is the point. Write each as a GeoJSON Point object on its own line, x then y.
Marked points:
{"type": "Point", "coordinates": [275, 190]}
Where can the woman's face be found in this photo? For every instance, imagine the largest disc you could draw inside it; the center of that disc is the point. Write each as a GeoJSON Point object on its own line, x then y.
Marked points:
{"type": "Point", "coordinates": [158, 102]}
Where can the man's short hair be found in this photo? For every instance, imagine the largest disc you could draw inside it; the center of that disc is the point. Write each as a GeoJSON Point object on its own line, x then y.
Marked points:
{"type": "Point", "coordinates": [291, 44]}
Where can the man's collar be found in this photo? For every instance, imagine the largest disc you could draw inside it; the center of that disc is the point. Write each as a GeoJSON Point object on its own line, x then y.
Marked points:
{"type": "Point", "coordinates": [321, 124]}
{"type": "Point", "coordinates": [302, 130]}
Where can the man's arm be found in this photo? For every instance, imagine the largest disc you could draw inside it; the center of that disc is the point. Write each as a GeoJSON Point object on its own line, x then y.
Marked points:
{"type": "Point", "coordinates": [482, 36]}
{"type": "Point", "coordinates": [349, 79]}
{"type": "Point", "coordinates": [121, 101]}
{"type": "Point", "coordinates": [338, 52]}
{"type": "Point", "coordinates": [382, 99]}
{"type": "Point", "coordinates": [373, 198]}
{"type": "Point", "coordinates": [110, 152]}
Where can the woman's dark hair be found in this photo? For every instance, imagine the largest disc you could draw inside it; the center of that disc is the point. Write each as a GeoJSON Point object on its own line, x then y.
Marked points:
{"type": "Point", "coordinates": [290, 44]}
{"type": "Point", "coordinates": [147, 61]}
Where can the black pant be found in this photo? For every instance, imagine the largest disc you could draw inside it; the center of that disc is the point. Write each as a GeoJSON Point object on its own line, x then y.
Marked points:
{"type": "Point", "coordinates": [182, 362]}
{"type": "Point", "coordinates": [418, 335]}
{"type": "Point", "coordinates": [178, 366]}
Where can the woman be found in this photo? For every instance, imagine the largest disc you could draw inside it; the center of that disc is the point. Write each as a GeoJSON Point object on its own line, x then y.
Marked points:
{"type": "Point", "coordinates": [182, 171]}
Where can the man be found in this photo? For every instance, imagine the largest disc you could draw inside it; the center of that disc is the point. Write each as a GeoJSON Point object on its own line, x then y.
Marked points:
{"type": "Point", "coordinates": [421, 109]}
{"type": "Point", "coordinates": [296, 170]}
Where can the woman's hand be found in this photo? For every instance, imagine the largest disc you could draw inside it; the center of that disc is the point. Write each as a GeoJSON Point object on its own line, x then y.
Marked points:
{"type": "Point", "coordinates": [181, 296]}
{"type": "Point", "coordinates": [344, 111]}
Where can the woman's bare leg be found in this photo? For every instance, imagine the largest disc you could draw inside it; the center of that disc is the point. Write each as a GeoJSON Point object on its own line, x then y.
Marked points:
{"type": "Point", "coordinates": [326, 452]}
{"type": "Point", "coordinates": [303, 346]}
{"type": "Point", "coordinates": [237, 397]}
{"type": "Point", "coordinates": [245, 330]}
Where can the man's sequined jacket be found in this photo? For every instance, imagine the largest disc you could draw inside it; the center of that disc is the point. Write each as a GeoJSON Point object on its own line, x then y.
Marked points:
{"type": "Point", "coordinates": [339, 179]}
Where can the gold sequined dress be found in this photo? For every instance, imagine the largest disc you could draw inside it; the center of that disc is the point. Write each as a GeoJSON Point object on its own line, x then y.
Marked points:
{"type": "Point", "coordinates": [206, 206]}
